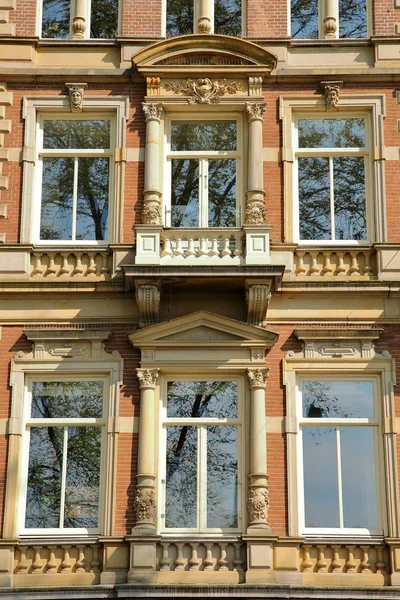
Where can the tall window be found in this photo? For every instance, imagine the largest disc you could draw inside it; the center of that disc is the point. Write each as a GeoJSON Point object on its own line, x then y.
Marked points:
{"type": "Point", "coordinates": [307, 18]}
{"type": "Point", "coordinates": [339, 426]}
{"type": "Point", "coordinates": [201, 432]}
{"type": "Point", "coordinates": [74, 159]}
{"type": "Point", "coordinates": [203, 165]}
{"type": "Point", "coordinates": [63, 438]}
{"type": "Point", "coordinates": [181, 16]}
{"type": "Point", "coordinates": [101, 18]}
{"type": "Point", "coordinates": [332, 164]}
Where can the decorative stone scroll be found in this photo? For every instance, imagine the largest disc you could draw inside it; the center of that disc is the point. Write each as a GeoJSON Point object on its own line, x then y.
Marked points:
{"type": "Point", "coordinates": [76, 93]}
{"type": "Point", "coordinates": [148, 298]}
{"type": "Point", "coordinates": [258, 297]}
{"type": "Point", "coordinates": [331, 91]}
{"type": "Point", "coordinates": [203, 90]}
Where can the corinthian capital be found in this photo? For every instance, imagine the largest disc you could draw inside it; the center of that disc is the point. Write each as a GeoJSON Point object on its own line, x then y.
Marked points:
{"type": "Point", "coordinates": [258, 377]}
{"type": "Point", "coordinates": [152, 112]}
{"type": "Point", "coordinates": [255, 112]}
{"type": "Point", "coordinates": [147, 377]}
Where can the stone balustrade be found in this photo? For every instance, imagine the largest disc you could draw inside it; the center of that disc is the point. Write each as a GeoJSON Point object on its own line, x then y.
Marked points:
{"type": "Point", "coordinates": [219, 556]}
{"type": "Point", "coordinates": [202, 246]}
{"type": "Point", "coordinates": [66, 264]}
{"type": "Point", "coordinates": [362, 559]}
{"type": "Point", "coordinates": [338, 263]}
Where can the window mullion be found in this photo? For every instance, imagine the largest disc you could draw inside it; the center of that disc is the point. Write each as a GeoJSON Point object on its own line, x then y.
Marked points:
{"type": "Point", "coordinates": [332, 198]}
{"type": "Point", "coordinates": [63, 477]}
{"type": "Point", "coordinates": [75, 198]}
{"type": "Point", "coordinates": [339, 476]}
{"type": "Point", "coordinates": [202, 479]}
{"type": "Point", "coordinates": [203, 200]}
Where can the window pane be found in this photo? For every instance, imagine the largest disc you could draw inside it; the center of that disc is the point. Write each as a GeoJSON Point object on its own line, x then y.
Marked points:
{"type": "Point", "coordinates": [360, 504]}
{"type": "Point", "coordinates": [352, 18]}
{"type": "Point", "coordinates": [228, 17]}
{"type": "Point", "coordinates": [314, 198]}
{"type": "Point", "coordinates": [55, 19]}
{"type": "Point", "coordinates": [195, 399]}
{"type": "Point", "coordinates": [82, 477]}
{"type": "Point", "coordinates": [44, 477]}
{"type": "Point", "coordinates": [104, 18]}
{"type": "Point", "coordinates": [349, 192]}
{"type": "Point", "coordinates": [331, 133]}
{"type": "Point", "coordinates": [85, 135]}
{"type": "Point", "coordinates": [92, 205]}
{"type": "Point", "coordinates": [66, 399]}
{"type": "Point", "coordinates": [222, 486]}
{"type": "Point", "coordinates": [320, 477]}
{"type": "Point", "coordinates": [338, 399]}
{"type": "Point", "coordinates": [185, 193]}
{"type": "Point", "coordinates": [179, 17]}
{"type": "Point", "coordinates": [57, 193]}
{"type": "Point", "coordinates": [304, 23]}
{"type": "Point", "coordinates": [222, 193]}
{"type": "Point", "coordinates": [181, 477]}
{"type": "Point", "coordinates": [203, 135]}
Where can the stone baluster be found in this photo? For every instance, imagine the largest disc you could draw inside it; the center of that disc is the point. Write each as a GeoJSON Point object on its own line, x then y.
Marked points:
{"type": "Point", "coordinates": [327, 268]}
{"type": "Point", "coordinates": [351, 563]}
{"type": "Point", "coordinates": [180, 561]}
{"type": "Point", "coordinates": [179, 248]}
{"type": "Point", "coordinates": [190, 252]}
{"type": "Point", "coordinates": [145, 504]}
{"type": "Point", "coordinates": [380, 561]}
{"type": "Point", "coordinates": [222, 561]}
{"type": "Point", "coordinates": [37, 565]}
{"type": "Point", "coordinates": [203, 250]}
{"type": "Point", "coordinates": [226, 250]}
{"type": "Point", "coordinates": [355, 267]}
{"type": "Point", "coordinates": [91, 270]}
{"type": "Point", "coordinates": [255, 213]}
{"type": "Point", "coordinates": [165, 561]}
{"type": "Point", "coordinates": [204, 22]}
{"type": "Point", "coordinates": [79, 21]}
{"type": "Point", "coordinates": [314, 269]}
{"type": "Point", "coordinates": [341, 268]}
{"type": "Point", "coordinates": [167, 247]}
{"type": "Point", "coordinates": [81, 562]}
{"type": "Point", "coordinates": [105, 269]}
{"type": "Point", "coordinates": [258, 498]}
{"type": "Point", "coordinates": [95, 562]}
{"type": "Point", "coordinates": [214, 251]}
{"type": "Point", "coordinates": [23, 563]}
{"type": "Point", "coordinates": [322, 563]}
{"type": "Point", "coordinates": [209, 561]}
{"type": "Point", "coordinates": [238, 561]}
{"type": "Point", "coordinates": [52, 269]}
{"type": "Point", "coordinates": [79, 268]}
{"type": "Point", "coordinates": [51, 566]}
{"type": "Point", "coordinates": [306, 564]}
{"type": "Point", "coordinates": [301, 269]}
{"type": "Point", "coordinates": [66, 565]}
{"type": "Point", "coordinates": [194, 561]}
{"type": "Point", "coordinates": [336, 564]}
{"type": "Point", "coordinates": [65, 268]}
{"type": "Point", "coordinates": [38, 268]}
{"type": "Point", "coordinates": [365, 564]}
{"type": "Point", "coordinates": [151, 212]}
{"type": "Point", "coordinates": [367, 265]}
{"type": "Point", "coordinates": [238, 244]}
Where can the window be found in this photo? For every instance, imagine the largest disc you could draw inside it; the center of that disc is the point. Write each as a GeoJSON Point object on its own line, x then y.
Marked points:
{"type": "Point", "coordinates": [101, 18]}
{"type": "Point", "coordinates": [65, 425]}
{"type": "Point", "coordinates": [307, 19]}
{"type": "Point", "coordinates": [74, 172]}
{"type": "Point", "coordinates": [201, 456]}
{"type": "Point", "coordinates": [332, 166]}
{"type": "Point", "coordinates": [202, 165]}
{"type": "Point", "coordinates": [225, 17]}
{"type": "Point", "coordinates": [339, 440]}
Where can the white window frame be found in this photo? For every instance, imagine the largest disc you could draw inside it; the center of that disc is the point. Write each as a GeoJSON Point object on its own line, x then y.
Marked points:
{"type": "Point", "coordinates": [330, 153]}
{"type": "Point", "coordinates": [37, 108]}
{"type": "Point", "coordinates": [322, 13]}
{"type": "Point", "coordinates": [197, 15]}
{"type": "Point", "coordinates": [202, 424]}
{"type": "Point", "coordinates": [203, 157]}
{"type": "Point", "coordinates": [359, 422]}
{"type": "Point", "coordinates": [61, 422]}
{"type": "Point", "coordinates": [86, 15]}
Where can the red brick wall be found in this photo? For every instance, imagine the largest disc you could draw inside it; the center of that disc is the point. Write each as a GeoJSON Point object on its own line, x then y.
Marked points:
{"type": "Point", "coordinates": [266, 18]}
{"type": "Point", "coordinates": [24, 17]}
{"type": "Point", "coordinates": [141, 18]}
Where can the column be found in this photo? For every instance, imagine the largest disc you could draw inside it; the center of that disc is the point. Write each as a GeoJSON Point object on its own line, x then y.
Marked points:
{"type": "Point", "coordinates": [151, 213]}
{"type": "Point", "coordinates": [204, 20]}
{"type": "Point", "coordinates": [330, 21]}
{"type": "Point", "coordinates": [145, 503]}
{"type": "Point", "coordinates": [79, 21]}
{"type": "Point", "coordinates": [258, 501]}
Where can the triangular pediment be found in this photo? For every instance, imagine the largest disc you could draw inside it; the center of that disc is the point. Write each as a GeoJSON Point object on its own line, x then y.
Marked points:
{"type": "Point", "coordinates": [202, 329]}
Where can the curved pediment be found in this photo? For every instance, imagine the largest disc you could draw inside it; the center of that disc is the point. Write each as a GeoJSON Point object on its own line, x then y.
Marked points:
{"type": "Point", "coordinates": [193, 53]}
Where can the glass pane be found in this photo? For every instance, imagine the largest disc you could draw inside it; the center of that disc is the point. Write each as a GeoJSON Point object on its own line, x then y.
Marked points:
{"type": "Point", "coordinates": [179, 17]}
{"type": "Point", "coordinates": [304, 19]}
{"type": "Point", "coordinates": [55, 19]}
{"type": "Point", "coordinates": [222, 486]}
{"type": "Point", "coordinates": [92, 204]}
{"type": "Point", "coordinates": [104, 19]}
{"type": "Point", "coordinates": [228, 17]}
{"type": "Point", "coordinates": [320, 477]}
{"type": "Point", "coordinates": [57, 193]}
{"type": "Point", "coordinates": [185, 193]}
{"type": "Point", "coordinates": [352, 18]}
{"type": "Point", "coordinates": [195, 399]}
{"type": "Point", "coordinates": [222, 193]}
{"type": "Point", "coordinates": [331, 133]}
{"type": "Point", "coordinates": [85, 135]}
{"type": "Point", "coordinates": [82, 477]}
{"type": "Point", "coordinates": [360, 504]}
{"type": "Point", "coordinates": [67, 399]}
{"type": "Point", "coordinates": [203, 136]}
{"type": "Point", "coordinates": [338, 399]}
{"type": "Point", "coordinates": [314, 198]}
{"type": "Point", "coordinates": [44, 477]}
{"type": "Point", "coordinates": [181, 479]}
{"type": "Point", "coordinates": [349, 194]}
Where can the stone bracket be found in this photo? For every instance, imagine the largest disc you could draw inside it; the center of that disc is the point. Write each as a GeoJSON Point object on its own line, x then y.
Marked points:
{"type": "Point", "coordinates": [148, 297]}
{"type": "Point", "coordinates": [258, 296]}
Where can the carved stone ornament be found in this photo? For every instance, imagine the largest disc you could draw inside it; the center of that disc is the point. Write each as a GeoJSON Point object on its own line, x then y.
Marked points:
{"type": "Point", "coordinates": [257, 298]}
{"type": "Point", "coordinates": [256, 213]}
{"type": "Point", "coordinates": [148, 300]}
{"type": "Point", "coordinates": [147, 377]}
{"type": "Point", "coordinates": [145, 505]}
{"type": "Point", "coordinates": [152, 111]}
{"type": "Point", "coordinates": [76, 93]}
{"type": "Point", "coordinates": [152, 214]}
{"type": "Point", "coordinates": [204, 91]}
{"type": "Point", "coordinates": [255, 112]}
{"type": "Point", "coordinates": [331, 91]}
{"type": "Point", "coordinates": [258, 377]}
{"type": "Point", "coordinates": [258, 504]}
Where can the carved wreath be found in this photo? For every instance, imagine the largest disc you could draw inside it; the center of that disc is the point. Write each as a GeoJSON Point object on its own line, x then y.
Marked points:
{"type": "Point", "coordinates": [144, 505]}
{"type": "Point", "coordinates": [204, 91]}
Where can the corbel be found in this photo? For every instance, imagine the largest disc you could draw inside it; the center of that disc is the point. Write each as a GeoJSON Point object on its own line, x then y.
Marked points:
{"type": "Point", "coordinates": [148, 298]}
{"type": "Point", "coordinates": [331, 91]}
{"type": "Point", "coordinates": [258, 295]}
{"type": "Point", "coordinates": [76, 93]}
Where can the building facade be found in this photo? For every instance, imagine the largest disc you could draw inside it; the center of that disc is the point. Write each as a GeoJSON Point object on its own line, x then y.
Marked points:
{"type": "Point", "coordinates": [199, 298]}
